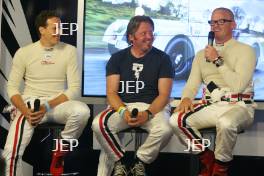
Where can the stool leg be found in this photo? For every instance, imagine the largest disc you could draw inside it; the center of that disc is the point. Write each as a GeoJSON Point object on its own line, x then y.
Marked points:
{"type": "Point", "coordinates": [138, 141]}
{"type": "Point", "coordinates": [56, 135]}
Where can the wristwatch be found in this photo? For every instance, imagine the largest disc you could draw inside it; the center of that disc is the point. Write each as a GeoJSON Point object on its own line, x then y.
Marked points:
{"type": "Point", "coordinates": [219, 61]}
{"type": "Point", "coordinates": [150, 115]}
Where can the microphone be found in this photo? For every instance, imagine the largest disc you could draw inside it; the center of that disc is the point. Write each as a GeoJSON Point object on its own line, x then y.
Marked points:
{"type": "Point", "coordinates": [36, 105]}
{"type": "Point", "coordinates": [211, 36]}
{"type": "Point", "coordinates": [134, 112]}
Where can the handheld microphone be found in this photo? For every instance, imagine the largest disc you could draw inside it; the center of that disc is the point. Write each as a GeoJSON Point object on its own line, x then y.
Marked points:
{"type": "Point", "coordinates": [134, 113]}
{"type": "Point", "coordinates": [36, 105]}
{"type": "Point", "coordinates": [211, 36]}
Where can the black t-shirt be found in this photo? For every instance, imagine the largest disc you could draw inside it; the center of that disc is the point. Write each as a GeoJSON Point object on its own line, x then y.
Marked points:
{"type": "Point", "coordinates": [139, 76]}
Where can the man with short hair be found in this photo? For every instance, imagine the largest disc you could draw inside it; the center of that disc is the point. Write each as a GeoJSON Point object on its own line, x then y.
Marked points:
{"type": "Point", "coordinates": [138, 77]}
{"type": "Point", "coordinates": [46, 67]}
{"type": "Point", "coordinates": [226, 68]}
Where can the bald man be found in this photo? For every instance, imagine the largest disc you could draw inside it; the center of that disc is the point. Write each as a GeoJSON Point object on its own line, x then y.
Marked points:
{"type": "Point", "coordinates": [226, 69]}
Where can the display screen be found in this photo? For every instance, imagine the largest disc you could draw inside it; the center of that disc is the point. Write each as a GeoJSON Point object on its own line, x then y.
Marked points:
{"type": "Point", "coordinates": [181, 30]}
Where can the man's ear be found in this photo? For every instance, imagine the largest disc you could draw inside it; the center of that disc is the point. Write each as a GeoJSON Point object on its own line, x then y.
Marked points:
{"type": "Point", "coordinates": [130, 38]}
{"type": "Point", "coordinates": [234, 25]}
{"type": "Point", "coordinates": [41, 29]}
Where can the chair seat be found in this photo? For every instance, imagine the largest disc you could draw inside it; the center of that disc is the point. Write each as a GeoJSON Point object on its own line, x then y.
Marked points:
{"type": "Point", "coordinates": [53, 129]}
{"type": "Point", "coordinates": [213, 130]}
{"type": "Point", "coordinates": [50, 125]}
{"type": "Point", "coordinates": [134, 130]}
{"type": "Point", "coordinates": [208, 130]}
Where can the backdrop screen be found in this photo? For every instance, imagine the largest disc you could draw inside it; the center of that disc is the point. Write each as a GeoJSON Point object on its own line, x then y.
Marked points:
{"type": "Point", "coordinates": [181, 29]}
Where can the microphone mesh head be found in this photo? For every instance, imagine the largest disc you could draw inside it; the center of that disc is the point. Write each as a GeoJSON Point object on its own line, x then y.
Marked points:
{"type": "Point", "coordinates": [134, 112]}
{"type": "Point", "coordinates": [211, 35]}
{"type": "Point", "coordinates": [36, 105]}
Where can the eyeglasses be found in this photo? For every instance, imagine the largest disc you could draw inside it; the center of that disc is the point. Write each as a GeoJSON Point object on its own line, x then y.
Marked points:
{"type": "Point", "coordinates": [218, 22]}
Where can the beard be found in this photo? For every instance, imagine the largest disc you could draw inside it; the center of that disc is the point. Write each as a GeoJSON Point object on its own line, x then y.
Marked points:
{"type": "Point", "coordinates": [147, 45]}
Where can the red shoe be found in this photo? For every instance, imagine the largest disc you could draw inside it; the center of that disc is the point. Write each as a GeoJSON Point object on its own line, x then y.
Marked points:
{"type": "Point", "coordinates": [207, 162]}
{"type": "Point", "coordinates": [220, 169]}
{"type": "Point", "coordinates": [57, 163]}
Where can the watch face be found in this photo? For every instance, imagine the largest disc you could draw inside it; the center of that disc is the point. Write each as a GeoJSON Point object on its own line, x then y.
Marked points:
{"type": "Point", "coordinates": [219, 62]}
{"type": "Point", "coordinates": [150, 116]}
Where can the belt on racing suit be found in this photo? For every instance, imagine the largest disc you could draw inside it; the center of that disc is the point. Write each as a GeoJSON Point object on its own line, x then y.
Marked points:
{"type": "Point", "coordinates": [233, 98]}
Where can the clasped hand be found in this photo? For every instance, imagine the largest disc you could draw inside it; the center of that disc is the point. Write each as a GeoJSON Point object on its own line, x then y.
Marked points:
{"type": "Point", "coordinates": [210, 53]}
{"type": "Point", "coordinates": [139, 120]}
{"type": "Point", "coordinates": [34, 118]}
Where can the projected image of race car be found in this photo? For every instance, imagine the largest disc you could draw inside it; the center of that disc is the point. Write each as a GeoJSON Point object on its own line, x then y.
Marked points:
{"type": "Point", "coordinates": [181, 40]}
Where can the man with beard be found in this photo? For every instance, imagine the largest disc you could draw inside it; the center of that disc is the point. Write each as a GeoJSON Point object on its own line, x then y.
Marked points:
{"type": "Point", "coordinates": [141, 77]}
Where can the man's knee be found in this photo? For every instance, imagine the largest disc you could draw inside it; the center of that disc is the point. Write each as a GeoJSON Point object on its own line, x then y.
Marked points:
{"type": "Point", "coordinates": [225, 124]}
{"type": "Point", "coordinates": [95, 125]}
{"type": "Point", "coordinates": [167, 131]}
{"type": "Point", "coordinates": [173, 122]}
{"type": "Point", "coordinates": [163, 130]}
{"type": "Point", "coordinates": [81, 111]}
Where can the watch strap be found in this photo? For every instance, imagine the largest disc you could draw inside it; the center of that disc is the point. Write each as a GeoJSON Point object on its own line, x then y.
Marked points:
{"type": "Point", "coordinates": [219, 61]}
{"type": "Point", "coordinates": [150, 115]}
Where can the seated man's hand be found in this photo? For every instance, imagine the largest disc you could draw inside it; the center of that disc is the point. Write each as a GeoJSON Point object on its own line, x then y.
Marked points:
{"type": "Point", "coordinates": [185, 106]}
{"type": "Point", "coordinates": [141, 118]}
{"type": "Point", "coordinates": [127, 116]}
{"type": "Point", "coordinates": [34, 118]}
{"type": "Point", "coordinates": [210, 53]}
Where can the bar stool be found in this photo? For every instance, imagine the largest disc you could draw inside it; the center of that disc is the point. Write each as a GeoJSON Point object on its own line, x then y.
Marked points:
{"type": "Point", "coordinates": [139, 132]}
{"type": "Point", "coordinates": [138, 137]}
{"type": "Point", "coordinates": [54, 129]}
